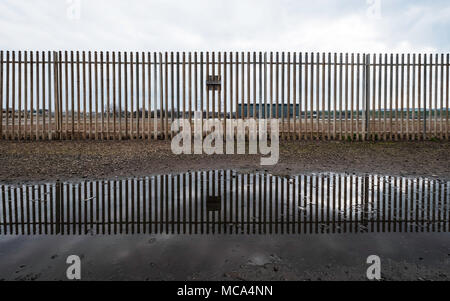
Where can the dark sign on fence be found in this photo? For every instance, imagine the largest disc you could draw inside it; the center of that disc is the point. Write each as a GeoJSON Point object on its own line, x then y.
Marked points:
{"type": "Point", "coordinates": [214, 83]}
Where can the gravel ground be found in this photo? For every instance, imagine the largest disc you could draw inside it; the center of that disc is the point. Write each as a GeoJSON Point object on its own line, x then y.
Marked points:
{"type": "Point", "coordinates": [68, 160]}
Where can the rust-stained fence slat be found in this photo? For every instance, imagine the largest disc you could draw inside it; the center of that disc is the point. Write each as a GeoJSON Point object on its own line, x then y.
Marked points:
{"type": "Point", "coordinates": [72, 90]}
{"type": "Point", "coordinates": [66, 93]}
{"type": "Point", "coordinates": [447, 124]}
{"type": "Point", "coordinates": [161, 94]}
{"type": "Point", "coordinates": [125, 70]}
{"type": "Point", "coordinates": [136, 112]}
{"type": "Point", "coordinates": [143, 123]}
{"type": "Point", "coordinates": [1, 94]}
{"type": "Point", "coordinates": [96, 127]}
{"type": "Point", "coordinates": [89, 134]}
{"type": "Point", "coordinates": [13, 94]}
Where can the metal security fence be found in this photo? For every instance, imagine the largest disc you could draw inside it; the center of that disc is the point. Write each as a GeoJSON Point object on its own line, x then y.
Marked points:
{"type": "Point", "coordinates": [137, 95]}
{"type": "Point", "coordinates": [226, 202]}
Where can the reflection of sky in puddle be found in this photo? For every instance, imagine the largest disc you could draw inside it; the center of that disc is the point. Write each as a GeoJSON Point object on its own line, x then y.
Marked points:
{"type": "Point", "coordinates": [200, 222]}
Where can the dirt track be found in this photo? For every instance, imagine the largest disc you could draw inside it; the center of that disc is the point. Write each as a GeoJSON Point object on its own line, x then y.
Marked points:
{"type": "Point", "coordinates": [41, 161]}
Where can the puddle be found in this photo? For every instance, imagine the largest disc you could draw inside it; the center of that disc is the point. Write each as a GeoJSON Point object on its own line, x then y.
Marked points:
{"type": "Point", "coordinates": [202, 225]}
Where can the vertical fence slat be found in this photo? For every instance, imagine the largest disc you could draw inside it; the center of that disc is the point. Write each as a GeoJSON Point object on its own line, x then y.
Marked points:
{"type": "Point", "coordinates": [271, 85]}
{"type": "Point", "coordinates": [125, 80]}
{"type": "Point", "coordinates": [13, 95]}
{"type": "Point", "coordinates": [72, 95]}
{"type": "Point", "coordinates": [36, 129]}
{"type": "Point", "coordinates": [190, 86]}
{"type": "Point", "coordinates": [138, 109]}
{"type": "Point", "coordinates": [161, 94]}
{"type": "Point", "coordinates": [373, 117]}
{"type": "Point", "coordinates": [419, 95]}
{"type": "Point", "coordinates": [44, 124]}
{"type": "Point", "coordinates": [335, 95]}
{"type": "Point", "coordinates": [402, 104]}
{"type": "Point", "coordinates": [366, 132]}
{"type": "Point", "coordinates": [358, 88]}
{"type": "Point", "coordinates": [242, 85]}
{"type": "Point", "coordinates": [318, 96]}
{"type": "Point", "coordinates": [184, 83]}
{"type": "Point", "coordinates": [1, 94]}
{"type": "Point", "coordinates": [114, 84]}
{"type": "Point", "coordinates": [92, 89]}
{"type": "Point", "coordinates": [249, 81]}
{"type": "Point", "coordinates": [149, 96]}
{"type": "Point", "coordinates": [352, 98]}
{"type": "Point", "coordinates": [225, 95]}
{"type": "Point", "coordinates": [396, 134]}
{"type": "Point", "coordinates": [311, 109]}
{"type": "Point", "coordinates": [385, 65]}
{"type": "Point", "coordinates": [306, 96]}
{"type": "Point", "coordinates": [7, 134]}
{"type": "Point", "coordinates": [166, 98]}
{"type": "Point", "coordinates": [78, 95]}
{"type": "Point", "coordinates": [144, 113]}
{"type": "Point", "coordinates": [19, 95]}
{"type": "Point", "coordinates": [323, 110]}
{"type": "Point", "coordinates": [447, 126]}
{"type": "Point", "coordinates": [25, 91]}
{"type": "Point", "coordinates": [283, 95]}
{"type": "Point", "coordinates": [413, 105]}
{"type": "Point", "coordinates": [50, 99]}
{"type": "Point", "coordinates": [408, 92]}
{"type": "Point", "coordinates": [430, 90]}
{"type": "Point", "coordinates": [132, 115]}
{"type": "Point", "coordinates": [83, 57]}
{"type": "Point", "coordinates": [380, 87]}
{"type": "Point", "coordinates": [108, 97]}
{"type": "Point", "coordinates": [294, 96]}
{"type": "Point", "coordinates": [60, 94]}
{"type": "Point", "coordinates": [329, 97]}
{"type": "Point", "coordinates": [96, 96]}
{"type": "Point", "coordinates": [56, 93]}
{"type": "Point", "coordinates": [441, 121]}
{"type": "Point", "coordinates": [341, 95]}
{"type": "Point", "coordinates": [346, 97]}
{"type": "Point", "coordinates": [155, 96]}
{"type": "Point", "coordinates": [236, 108]}
{"type": "Point", "coordinates": [219, 92]}
{"type": "Point", "coordinates": [424, 136]}
{"type": "Point", "coordinates": [436, 95]}
{"type": "Point", "coordinates": [66, 93]}
{"type": "Point", "coordinates": [172, 89]}
{"type": "Point", "coordinates": [260, 85]}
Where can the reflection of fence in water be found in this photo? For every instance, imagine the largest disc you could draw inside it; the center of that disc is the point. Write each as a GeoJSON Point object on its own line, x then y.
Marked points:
{"type": "Point", "coordinates": [230, 203]}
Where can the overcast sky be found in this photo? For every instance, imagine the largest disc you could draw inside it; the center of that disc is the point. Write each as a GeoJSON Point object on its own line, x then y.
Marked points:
{"type": "Point", "coordinates": [261, 25]}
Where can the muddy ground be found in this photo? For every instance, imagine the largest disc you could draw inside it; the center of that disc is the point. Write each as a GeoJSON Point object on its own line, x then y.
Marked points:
{"type": "Point", "coordinates": [47, 161]}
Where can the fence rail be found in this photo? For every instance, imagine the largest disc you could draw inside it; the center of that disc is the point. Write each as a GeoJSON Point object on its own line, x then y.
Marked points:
{"type": "Point", "coordinates": [137, 95]}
